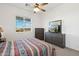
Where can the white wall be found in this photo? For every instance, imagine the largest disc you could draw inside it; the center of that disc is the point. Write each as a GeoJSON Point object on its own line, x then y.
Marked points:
{"type": "Point", "coordinates": [69, 14]}
{"type": "Point", "coordinates": [8, 21]}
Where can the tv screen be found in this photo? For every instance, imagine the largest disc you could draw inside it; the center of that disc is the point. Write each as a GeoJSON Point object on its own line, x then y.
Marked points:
{"type": "Point", "coordinates": [55, 26]}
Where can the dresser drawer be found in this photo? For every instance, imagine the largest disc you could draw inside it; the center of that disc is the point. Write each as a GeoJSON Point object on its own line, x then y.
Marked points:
{"type": "Point", "coordinates": [55, 38]}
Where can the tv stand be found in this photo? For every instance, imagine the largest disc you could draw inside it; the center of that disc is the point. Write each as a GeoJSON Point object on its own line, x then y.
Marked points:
{"type": "Point", "coordinates": [55, 38]}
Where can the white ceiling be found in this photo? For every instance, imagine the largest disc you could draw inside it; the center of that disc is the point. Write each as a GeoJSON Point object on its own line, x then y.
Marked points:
{"type": "Point", "coordinates": [30, 7]}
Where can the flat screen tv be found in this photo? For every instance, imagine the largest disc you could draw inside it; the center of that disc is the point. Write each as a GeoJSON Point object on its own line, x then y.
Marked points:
{"type": "Point", "coordinates": [55, 26]}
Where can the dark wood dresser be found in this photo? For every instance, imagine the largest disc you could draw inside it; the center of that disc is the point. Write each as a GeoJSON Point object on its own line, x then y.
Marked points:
{"type": "Point", "coordinates": [39, 33]}
{"type": "Point", "coordinates": [55, 38]}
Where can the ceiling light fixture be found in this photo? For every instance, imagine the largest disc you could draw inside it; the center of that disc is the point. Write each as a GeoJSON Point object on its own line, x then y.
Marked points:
{"type": "Point", "coordinates": [36, 10]}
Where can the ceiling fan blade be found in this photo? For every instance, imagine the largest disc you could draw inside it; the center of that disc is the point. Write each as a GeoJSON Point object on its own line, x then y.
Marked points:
{"type": "Point", "coordinates": [44, 4]}
{"type": "Point", "coordinates": [36, 5]}
{"type": "Point", "coordinates": [43, 10]}
{"type": "Point", "coordinates": [26, 4]}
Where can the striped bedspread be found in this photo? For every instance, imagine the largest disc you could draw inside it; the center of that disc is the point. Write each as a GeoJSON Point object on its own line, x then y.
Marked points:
{"type": "Point", "coordinates": [25, 47]}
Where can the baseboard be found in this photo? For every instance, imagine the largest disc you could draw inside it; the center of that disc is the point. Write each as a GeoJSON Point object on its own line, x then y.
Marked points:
{"type": "Point", "coordinates": [72, 49]}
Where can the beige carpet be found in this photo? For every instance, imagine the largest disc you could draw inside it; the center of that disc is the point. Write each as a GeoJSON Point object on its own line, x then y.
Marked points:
{"type": "Point", "coordinates": [65, 51]}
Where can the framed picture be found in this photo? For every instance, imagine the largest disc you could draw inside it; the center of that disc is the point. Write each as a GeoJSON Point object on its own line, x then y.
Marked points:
{"type": "Point", "coordinates": [23, 24]}
{"type": "Point", "coordinates": [55, 26]}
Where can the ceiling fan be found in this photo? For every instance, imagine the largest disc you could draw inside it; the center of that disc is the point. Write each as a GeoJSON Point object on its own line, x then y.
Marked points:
{"type": "Point", "coordinates": [38, 7]}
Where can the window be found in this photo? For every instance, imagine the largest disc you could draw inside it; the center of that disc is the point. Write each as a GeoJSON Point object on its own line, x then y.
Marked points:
{"type": "Point", "coordinates": [23, 24]}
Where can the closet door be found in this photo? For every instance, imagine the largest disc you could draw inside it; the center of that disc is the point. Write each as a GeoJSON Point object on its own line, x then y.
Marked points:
{"type": "Point", "coordinates": [39, 33]}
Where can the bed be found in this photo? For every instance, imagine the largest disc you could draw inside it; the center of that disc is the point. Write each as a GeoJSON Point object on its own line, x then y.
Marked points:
{"type": "Point", "coordinates": [26, 47]}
